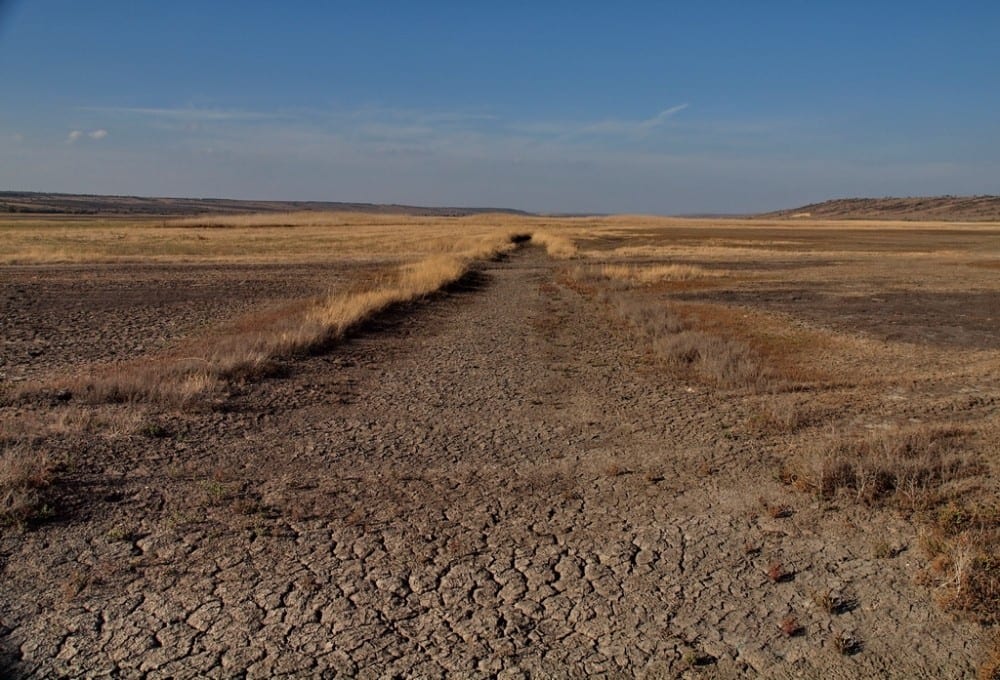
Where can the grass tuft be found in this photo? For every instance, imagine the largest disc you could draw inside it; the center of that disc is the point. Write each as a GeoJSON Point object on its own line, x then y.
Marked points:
{"type": "Point", "coordinates": [558, 247]}
{"type": "Point", "coordinates": [23, 476]}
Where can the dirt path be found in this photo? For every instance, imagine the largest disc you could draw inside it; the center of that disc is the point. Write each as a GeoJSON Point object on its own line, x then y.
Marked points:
{"type": "Point", "coordinates": [500, 486]}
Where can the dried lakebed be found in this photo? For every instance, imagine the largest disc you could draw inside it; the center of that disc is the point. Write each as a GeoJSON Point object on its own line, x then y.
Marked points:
{"type": "Point", "coordinates": [496, 485]}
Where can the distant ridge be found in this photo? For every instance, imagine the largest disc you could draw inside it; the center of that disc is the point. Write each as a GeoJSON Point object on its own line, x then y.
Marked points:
{"type": "Point", "coordinates": [946, 208]}
{"type": "Point", "coordinates": [85, 204]}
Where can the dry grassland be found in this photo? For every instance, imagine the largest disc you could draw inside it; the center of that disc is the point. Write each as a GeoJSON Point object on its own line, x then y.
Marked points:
{"type": "Point", "coordinates": [282, 237]}
{"type": "Point", "coordinates": [863, 358]}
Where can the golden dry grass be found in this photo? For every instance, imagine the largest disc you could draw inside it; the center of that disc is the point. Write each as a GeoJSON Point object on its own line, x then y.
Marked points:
{"type": "Point", "coordinates": [23, 476]}
{"type": "Point", "coordinates": [557, 246]}
{"type": "Point", "coordinates": [905, 465]}
{"type": "Point", "coordinates": [656, 273]}
{"type": "Point", "coordinates": [294, 237]}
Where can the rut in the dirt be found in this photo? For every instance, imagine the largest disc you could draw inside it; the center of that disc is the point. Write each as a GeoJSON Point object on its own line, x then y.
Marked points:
{"type": "Point", "coordinates": [498, 485]}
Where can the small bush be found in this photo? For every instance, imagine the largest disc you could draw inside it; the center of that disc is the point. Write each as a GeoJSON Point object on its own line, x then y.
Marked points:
{"type": "Point", "coordinates": [906, 465]}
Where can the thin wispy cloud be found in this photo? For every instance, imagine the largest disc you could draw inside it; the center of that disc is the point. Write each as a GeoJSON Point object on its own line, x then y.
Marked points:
{"type": "Point", "coordinates": [614, 127]}
{"type": "Point", "coordinates": [187, 114]}
{"type": "Point", "coordinates": [74, 136]}
{"type": "Point", "coordinates": [98, 134]}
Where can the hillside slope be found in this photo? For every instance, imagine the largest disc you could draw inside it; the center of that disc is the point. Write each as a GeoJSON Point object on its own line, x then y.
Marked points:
{"type": "Point", "coordinates": [951, 208]}
{"type": "Point", "coordinates": [82, 204]}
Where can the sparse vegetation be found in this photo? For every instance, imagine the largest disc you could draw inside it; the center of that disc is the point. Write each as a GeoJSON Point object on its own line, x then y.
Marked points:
{"type": "Point", "coordinates": [24, 475]}
{"type": "Point", "coordinates": [737, 353]}
{"type": "Point", "coordinates": [719, 360]}
{"type": "Point", "coordinates": [832, 602]}
{"type": "Point", "coordinates": [846, 643]}
{"type": "Point", "coordinates": [906, 465]}
{"type": "Point", "coordinates": [776, 510]}
{"type": "Point", "coordinates": [649, 274]}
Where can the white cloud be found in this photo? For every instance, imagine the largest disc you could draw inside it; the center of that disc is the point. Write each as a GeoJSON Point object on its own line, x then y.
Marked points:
{"type": "Point", "coordinates": [76, 135]}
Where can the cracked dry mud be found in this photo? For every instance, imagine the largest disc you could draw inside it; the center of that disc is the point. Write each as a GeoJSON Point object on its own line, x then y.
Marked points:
{"type": "Point", "coordinates": [497, 485]}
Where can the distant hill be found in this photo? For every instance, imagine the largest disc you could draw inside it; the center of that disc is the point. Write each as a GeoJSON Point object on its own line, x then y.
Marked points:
{"type": "Point", "coordinates": [948, 208]}
{"type": "Point", "coordinates": [82, 204]}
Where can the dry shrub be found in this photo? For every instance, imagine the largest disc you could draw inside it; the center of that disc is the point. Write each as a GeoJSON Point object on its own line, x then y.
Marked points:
{"type": "Point", "coordinates": [649, 319]}
{"type": "Point", "coordinates": [726, 362]}
{"type": "Point", "coordinates": [557, 247]}
{"type": "Point", "coordinates": [720, 360]}
{"type": "Point", "coordinates": [916, 468]}
{"type": "Point", "coordinates": [776, 572]}
{"type": "Point", "coordinates": [907, 465]}
{"type": "Point", "coordinates": [23, 475]}
{"type": "Point", "coordinates": [963, 546]}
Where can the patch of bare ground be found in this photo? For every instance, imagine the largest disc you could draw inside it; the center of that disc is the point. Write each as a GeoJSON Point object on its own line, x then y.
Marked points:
{"type": "Point", "coordinates": [57, 318]}
{"type": "Point", "coordinates": [495, 486]}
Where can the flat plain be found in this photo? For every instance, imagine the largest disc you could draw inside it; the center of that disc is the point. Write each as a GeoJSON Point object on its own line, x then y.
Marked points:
{"type": "Point", "coordinates": [343, 445]}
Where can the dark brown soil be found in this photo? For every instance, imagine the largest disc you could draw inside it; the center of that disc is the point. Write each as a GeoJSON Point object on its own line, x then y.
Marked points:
{"type": "Point", "coordinates": [967, 319]}
{"type": "Point", "coordinates": [59, 317]}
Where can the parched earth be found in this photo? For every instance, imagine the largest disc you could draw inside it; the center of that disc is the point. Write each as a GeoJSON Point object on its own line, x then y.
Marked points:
{"type": "Point", "coordinates": [497, 483]}
{"type": "Point", "coordinates": [56, 317]}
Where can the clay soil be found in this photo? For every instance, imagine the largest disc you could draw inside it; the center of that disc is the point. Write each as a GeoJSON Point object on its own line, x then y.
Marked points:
{"type": "Point", "coordinates": [502, 480]}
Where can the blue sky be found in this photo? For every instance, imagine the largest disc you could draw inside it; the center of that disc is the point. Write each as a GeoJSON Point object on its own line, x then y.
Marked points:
{"type": "Point", "coordinates": [665, 107]}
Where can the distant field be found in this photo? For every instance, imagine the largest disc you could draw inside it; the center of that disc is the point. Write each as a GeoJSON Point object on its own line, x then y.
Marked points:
{"type": "Point", "coordinates": [299, 237]}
